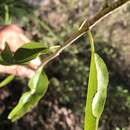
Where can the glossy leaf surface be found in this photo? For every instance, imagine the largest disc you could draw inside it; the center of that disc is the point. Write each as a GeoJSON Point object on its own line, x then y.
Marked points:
{"type": "Point", "coordinates": [38, 85]}
{"type": "Point", "coordinates": [29, 51]}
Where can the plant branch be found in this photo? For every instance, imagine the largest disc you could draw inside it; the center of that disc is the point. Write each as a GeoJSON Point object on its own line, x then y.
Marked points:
{"type": "Point", "coordinates": [105, 11]}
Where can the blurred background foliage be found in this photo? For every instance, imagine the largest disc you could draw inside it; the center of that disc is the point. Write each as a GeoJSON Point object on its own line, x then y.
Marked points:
{"type": "Point", "coordinates": [50, 21]}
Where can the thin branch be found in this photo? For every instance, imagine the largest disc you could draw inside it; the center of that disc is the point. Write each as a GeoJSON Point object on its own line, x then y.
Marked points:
{"type": "Point", "coordinates": [106, 11]}
{"type": "Point", "coordinates": [85, 26]}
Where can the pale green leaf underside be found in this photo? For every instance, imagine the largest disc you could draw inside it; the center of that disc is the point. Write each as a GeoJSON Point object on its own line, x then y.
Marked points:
{"type": "Point", "coordinates": [97, 89]}
{"type": "Point", "coordinates": [102, 83]}
{"type": "Point", "coordinates": [38, 85]}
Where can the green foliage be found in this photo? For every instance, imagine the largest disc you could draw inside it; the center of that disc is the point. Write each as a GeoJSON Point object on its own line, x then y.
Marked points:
{"type": "Point", "coordinates": [7, 80]}
{"type": "Point", "coordinates": [97, 89]}
{"type": "Point", "coordinates": [69, 84]}
{"type": "Point", "coordinates": [98, 79]}
{"type": "Point", "coordinates": [90, 119]}
{"type": "Point", "coordinates": [38, 85]}
{"type": "Point", "coordinates": [102, 83]}
{"type": "Point", "coordinates": [24, 54]}
{"type": "Point", "coordinates": [2, 61]}
{"type": "Point", "coordinates": [29, 51]}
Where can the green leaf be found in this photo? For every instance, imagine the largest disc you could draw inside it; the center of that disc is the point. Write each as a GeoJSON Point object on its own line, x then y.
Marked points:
{"type": "Point", "coordinates": [29, 51]}
{"type": "Point", "coordinates": [2, 62]}
{"type": "Point", "coordinates": [7, 55]}
{"type": "Point", "coordinates": [97, 89]}
{"type": "Point", "coordinates": [38, 85]}
{"type": "Point", "coordinates": [101, 94]}
{"type": "Point", "coordinates": [90, 120]}
{"type": "Point", "coordinates": [7, 80]}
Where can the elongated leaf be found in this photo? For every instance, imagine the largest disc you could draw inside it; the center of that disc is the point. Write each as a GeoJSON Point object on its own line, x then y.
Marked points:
{"type": "Point", "coordinates": [97, 89]}
{"type": "Point", "coordinates": [7, 80]}
{"type": "Point", "coordinates": [38, 86]}
{"type": "Point", "coordinates": [90, 120]}
{"type": "Point", "coordinates": [29, 51]}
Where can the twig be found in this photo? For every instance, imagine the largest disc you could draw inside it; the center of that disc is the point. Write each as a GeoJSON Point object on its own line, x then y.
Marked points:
{"type": "Point", "coordinates": [85, 26]}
